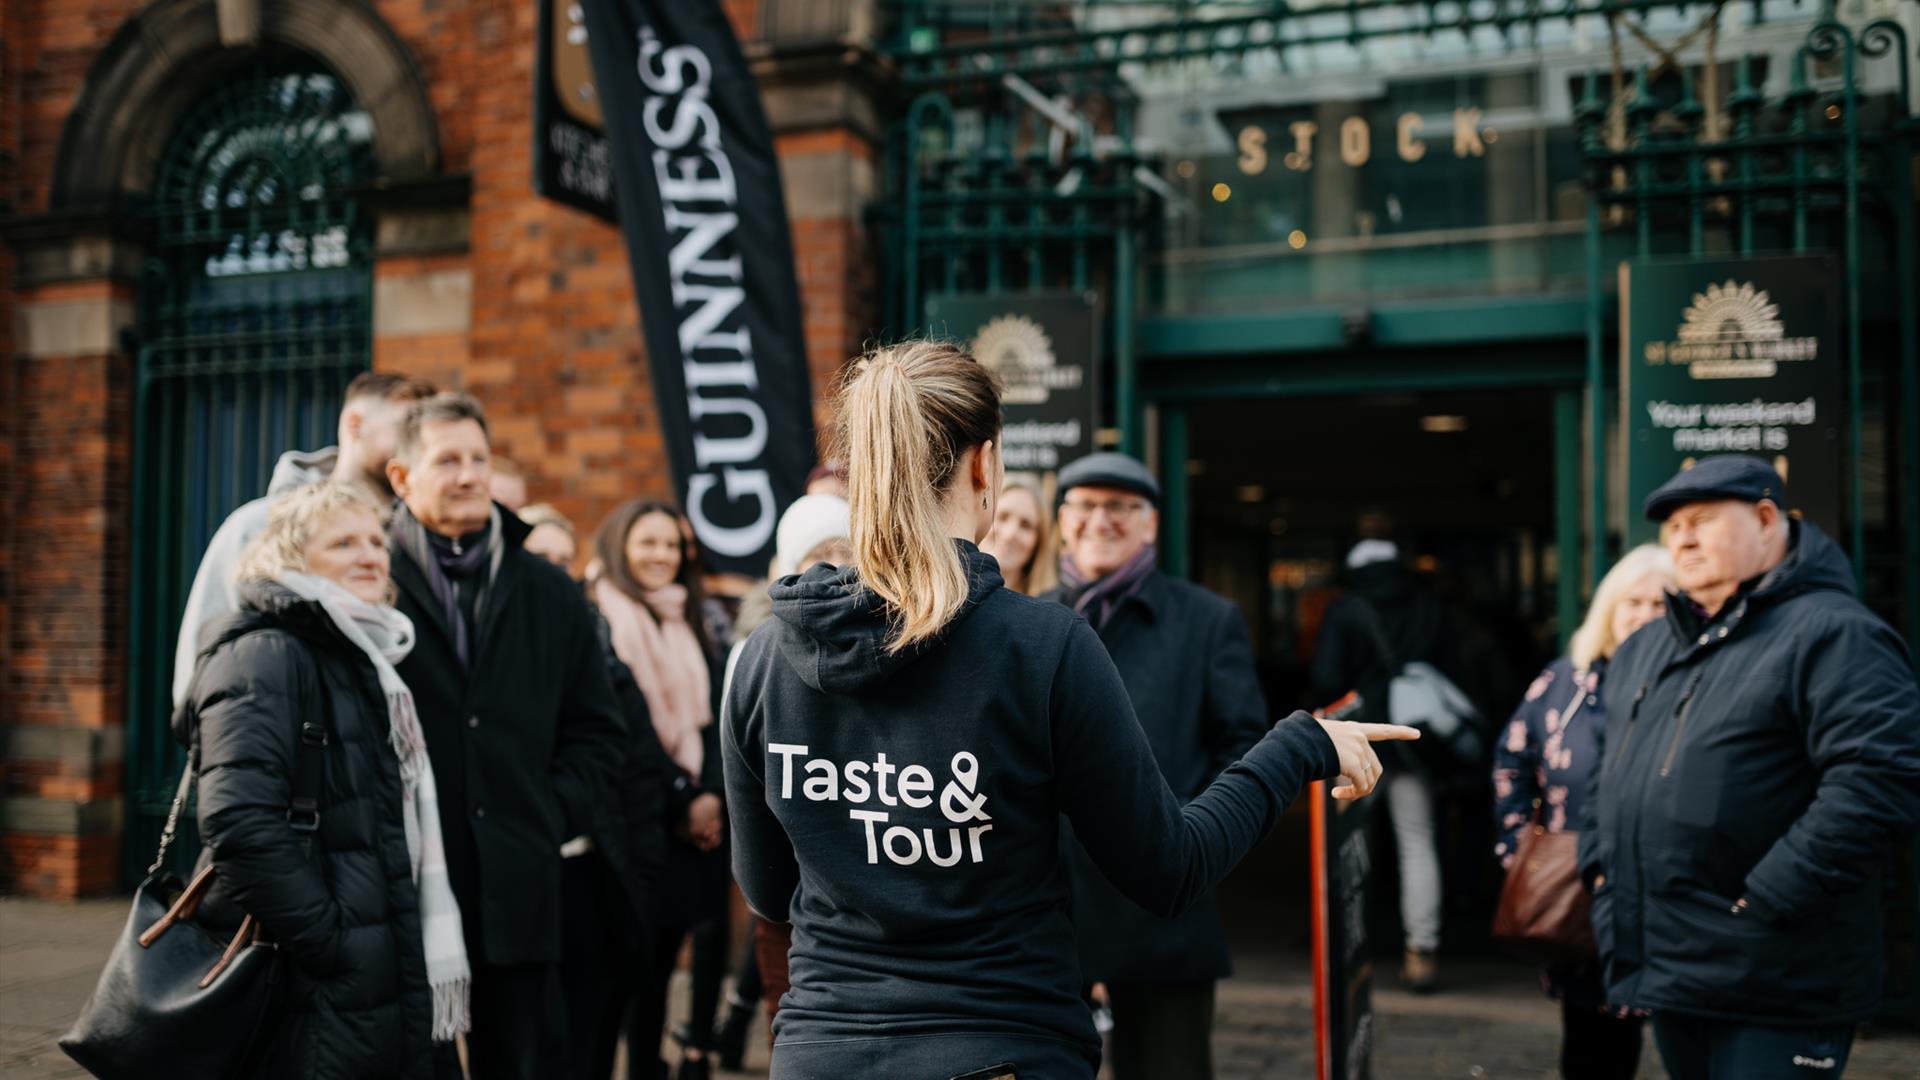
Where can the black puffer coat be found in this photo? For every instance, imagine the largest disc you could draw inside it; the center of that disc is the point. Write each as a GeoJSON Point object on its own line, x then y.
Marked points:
{"type": "Point", "coordinates": [1771, 754]}
{"type": "Point", "coordinates": [344, 907]}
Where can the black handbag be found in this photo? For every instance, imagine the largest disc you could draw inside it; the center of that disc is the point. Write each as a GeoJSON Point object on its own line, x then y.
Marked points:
{"type": "Point", "coordinates": [177, 998]}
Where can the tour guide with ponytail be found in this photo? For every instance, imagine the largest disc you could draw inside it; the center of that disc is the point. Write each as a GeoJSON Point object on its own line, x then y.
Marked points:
{"type": "Point", "coordinates": [902, 739]}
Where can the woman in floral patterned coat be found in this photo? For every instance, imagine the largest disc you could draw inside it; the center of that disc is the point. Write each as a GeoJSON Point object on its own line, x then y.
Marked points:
{"type": "Point", "coordinates": [1545, 762]}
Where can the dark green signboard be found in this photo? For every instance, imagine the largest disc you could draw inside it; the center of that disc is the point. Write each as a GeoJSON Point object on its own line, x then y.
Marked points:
{"type": "Point", "coordinates": [1726, 356]}
{"type": "Point", "coordinates": [1043, 346]}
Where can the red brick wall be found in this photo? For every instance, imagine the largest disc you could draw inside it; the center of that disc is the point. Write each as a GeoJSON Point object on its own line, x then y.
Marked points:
{"type": "Point", "coordinates": [552, 345]}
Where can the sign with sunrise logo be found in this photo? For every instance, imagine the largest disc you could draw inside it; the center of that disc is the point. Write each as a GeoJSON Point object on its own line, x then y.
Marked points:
{"type": "Point", "coordinates": [1733, 356]}
{"type": "Point", "coordinates": [1044, 347]}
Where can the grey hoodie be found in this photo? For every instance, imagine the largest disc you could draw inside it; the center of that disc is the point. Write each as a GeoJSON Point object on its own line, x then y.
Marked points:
{"type": "Point", "coordinates": [214, 591]}
{"type": "Point", "coordinates": [903, 811]}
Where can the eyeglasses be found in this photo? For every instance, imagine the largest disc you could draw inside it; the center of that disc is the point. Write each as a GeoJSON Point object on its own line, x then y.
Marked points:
{"type": "Point", "coordinates": [1116, 509]}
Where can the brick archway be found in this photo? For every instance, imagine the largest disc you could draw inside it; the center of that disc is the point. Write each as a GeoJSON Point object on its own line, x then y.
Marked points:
{"type": "Point", "coordinates": [164, 58]}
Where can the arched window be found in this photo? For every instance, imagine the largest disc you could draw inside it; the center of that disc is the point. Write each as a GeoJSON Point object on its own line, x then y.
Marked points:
{"type": "Point", "coordinates": [254, 312]}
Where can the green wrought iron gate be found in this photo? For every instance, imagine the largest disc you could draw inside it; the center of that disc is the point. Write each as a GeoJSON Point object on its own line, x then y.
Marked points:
{"type": "Point", "coordinates": [1002, 184]}
{"type": "Point", "coordinates": [1016, 165]}
{"type": "Point", "coordinates": [1778, 154]}
{"type": "Point", "coordinates": [254, 313]}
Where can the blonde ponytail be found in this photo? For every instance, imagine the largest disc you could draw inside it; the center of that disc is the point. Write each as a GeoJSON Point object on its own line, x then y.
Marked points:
{"type": "Point", "coordinates": [907, 414]}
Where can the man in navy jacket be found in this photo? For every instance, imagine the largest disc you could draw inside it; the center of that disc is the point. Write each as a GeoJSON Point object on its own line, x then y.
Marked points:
{"type": "Point", "coordinates": [1184, 656]}
{"type": "Point", "coordinates": [1762, 754]}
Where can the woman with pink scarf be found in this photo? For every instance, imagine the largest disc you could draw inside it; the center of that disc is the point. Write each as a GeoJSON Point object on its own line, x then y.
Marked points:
{"type": "Point", "coordinates": [647, 585]}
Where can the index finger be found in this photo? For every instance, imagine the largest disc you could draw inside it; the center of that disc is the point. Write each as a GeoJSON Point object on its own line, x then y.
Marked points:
{"type": "Point", "coordinates": [1388, 732]}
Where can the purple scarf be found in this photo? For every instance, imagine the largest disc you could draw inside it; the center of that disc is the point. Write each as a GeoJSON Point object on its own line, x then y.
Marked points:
{"type": "Point", "coordinates": [1098, 599]}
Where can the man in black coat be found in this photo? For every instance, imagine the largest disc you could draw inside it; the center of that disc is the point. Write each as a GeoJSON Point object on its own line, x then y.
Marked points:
{"type": "Point", "coordinates": [1760, 759]}
{"type": "Point", "coordinates": [1184, 656]}
{"type": "Point", "coordinates": [524, 731]}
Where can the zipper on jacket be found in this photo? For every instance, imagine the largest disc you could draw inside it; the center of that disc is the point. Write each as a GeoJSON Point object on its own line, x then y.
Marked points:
{"type": "Point", "coordinates": [1680, 720]}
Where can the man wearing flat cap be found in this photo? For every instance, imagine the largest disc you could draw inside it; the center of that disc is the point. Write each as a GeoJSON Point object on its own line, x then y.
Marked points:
{"type": "Point", "coordinates": [1184, 655]}
{"type": "Point", "coordinates": [1761, 759]}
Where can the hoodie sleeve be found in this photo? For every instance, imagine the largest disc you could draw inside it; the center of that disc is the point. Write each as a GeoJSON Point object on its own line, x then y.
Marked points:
{"type": "Point", "coordinates": [213, 593]}
{"type": "Point", "coordinates": [249, 703]}
{"type": "Point", "coordinates": [1862, 729]}
{"type": "Point", "coordinates": [763, 861]}
{"type": "Point", "coordinates": [1160, 855]}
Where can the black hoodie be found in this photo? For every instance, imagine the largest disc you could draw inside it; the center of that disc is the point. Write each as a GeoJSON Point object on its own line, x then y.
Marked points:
{"type": "Point", "coordinates": [902, 810]}
{"type": "Point", "coordinates": [1770, 754]}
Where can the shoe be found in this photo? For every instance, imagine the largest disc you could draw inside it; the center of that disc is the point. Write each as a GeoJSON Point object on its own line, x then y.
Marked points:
{"type": "Point", "coordinates": [700, 1068]}
{"type": "Point", "coordinates": [730, 1038]}
{"type": "Point", "coordinates": [1420, 971]}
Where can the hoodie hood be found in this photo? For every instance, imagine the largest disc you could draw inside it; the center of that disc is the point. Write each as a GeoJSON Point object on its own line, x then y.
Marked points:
{"type": "Point", "coordinates": [834, 632]}
{"type": "Point", "coordinates": [1387, 583]}
{"type": "Point", "coordinates": [298, 468]}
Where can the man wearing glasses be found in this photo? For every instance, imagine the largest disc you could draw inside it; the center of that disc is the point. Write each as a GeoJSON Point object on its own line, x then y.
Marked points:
{"type": "Point", "coordinates": [1184, 655]}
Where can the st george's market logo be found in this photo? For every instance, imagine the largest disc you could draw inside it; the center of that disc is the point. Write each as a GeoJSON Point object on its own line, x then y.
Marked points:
{"type": "Point", "coordinates": [1732, 331]}
{"type": "Point", "coordinates": [1018, 350]}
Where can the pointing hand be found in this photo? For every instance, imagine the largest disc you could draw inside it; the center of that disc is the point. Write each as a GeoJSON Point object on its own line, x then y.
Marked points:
{"type": "Point", "coordinates": [1359, 766]}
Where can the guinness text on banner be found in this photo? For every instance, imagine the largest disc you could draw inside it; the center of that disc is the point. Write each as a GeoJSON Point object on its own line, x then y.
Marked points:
{"type": "Point", "coordinates": [706, 231]}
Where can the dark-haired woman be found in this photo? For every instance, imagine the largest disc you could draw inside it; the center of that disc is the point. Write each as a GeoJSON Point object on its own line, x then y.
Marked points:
{"type": "Point", "coordinates": [903, 739]}
{"type": "Point", "coordinates": [647, 585]}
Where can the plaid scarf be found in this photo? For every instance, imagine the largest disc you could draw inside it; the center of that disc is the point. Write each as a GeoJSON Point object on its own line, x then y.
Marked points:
{"type": "Point", "coordinates": [386, 637]}
{"type": "Point", "coordinates": [442, 567]}
{"type": "Point", "coordinates": [1099, 598]}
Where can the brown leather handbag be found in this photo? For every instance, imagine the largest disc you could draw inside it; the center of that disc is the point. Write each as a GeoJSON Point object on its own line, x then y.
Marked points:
{"type": "Point", "coordinates": [1543, 906]}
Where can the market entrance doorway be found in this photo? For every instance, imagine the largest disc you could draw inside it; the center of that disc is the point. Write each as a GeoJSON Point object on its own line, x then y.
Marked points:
{"type": "Point", "coordinates": [1465, 483]}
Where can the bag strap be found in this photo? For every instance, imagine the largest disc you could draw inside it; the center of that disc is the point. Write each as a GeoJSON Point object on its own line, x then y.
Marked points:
{"type": "Point", "coordinates": [1378, 629]}
{"type": "Point", "coordinates": [303, 809]}
{"type": "Point", "coordinates": [173, 812]}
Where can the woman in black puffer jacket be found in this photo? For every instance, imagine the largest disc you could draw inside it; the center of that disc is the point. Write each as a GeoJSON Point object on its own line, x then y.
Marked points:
{"type": "Point", "coordinates": [340, 899]}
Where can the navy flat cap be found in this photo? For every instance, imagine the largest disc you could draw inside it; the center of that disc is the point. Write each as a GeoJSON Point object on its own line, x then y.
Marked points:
{"type": "Point", "coordinates": [1110, 470]}
{"type": "Point", "coordinates": [1723, 476]}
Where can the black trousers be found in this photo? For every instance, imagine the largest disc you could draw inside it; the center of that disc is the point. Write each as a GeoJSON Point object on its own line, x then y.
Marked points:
{"type": "Point", "coordinates": [519, 1022]}
{"type": "Point", "coordinates": [1598, 1046]}
{"type": "Point", "coordinates": [600, 970]}
{"type": "Point", "coordinates": [649, 1017]}
{"type": "Point", "coordinates": [1162, 1031]}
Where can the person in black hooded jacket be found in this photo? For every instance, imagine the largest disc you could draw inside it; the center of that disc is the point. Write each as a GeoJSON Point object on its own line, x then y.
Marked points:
{"type": "Point", "coordinates": [1761, 755]}
{"type": "Point", "coordinates": [1385, 605]}
{"type": "Point", "coordinates": [903, 739]}
{"type": "Point", "coordinates": [341, 900]}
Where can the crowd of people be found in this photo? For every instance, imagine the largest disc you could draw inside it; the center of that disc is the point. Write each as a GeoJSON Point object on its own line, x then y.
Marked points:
{"type": "Point", "coordinates": [975, 762]}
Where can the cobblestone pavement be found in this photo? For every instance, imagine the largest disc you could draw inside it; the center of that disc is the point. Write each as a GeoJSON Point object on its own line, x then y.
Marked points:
{"type": "Point", "coordinates": [1488, 1023]}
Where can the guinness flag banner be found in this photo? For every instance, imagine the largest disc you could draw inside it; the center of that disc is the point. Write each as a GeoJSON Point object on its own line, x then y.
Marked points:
{"type": "Point", "coordinates": [1734, 356]}
{"type": "Point", "coordinates": [700, 203]}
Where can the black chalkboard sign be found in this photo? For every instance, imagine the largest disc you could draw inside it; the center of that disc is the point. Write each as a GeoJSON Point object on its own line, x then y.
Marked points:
{"type": "Point", "coordinates": [572, 163]}
{"type": "Point", "coordinates": [1342, 956]}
